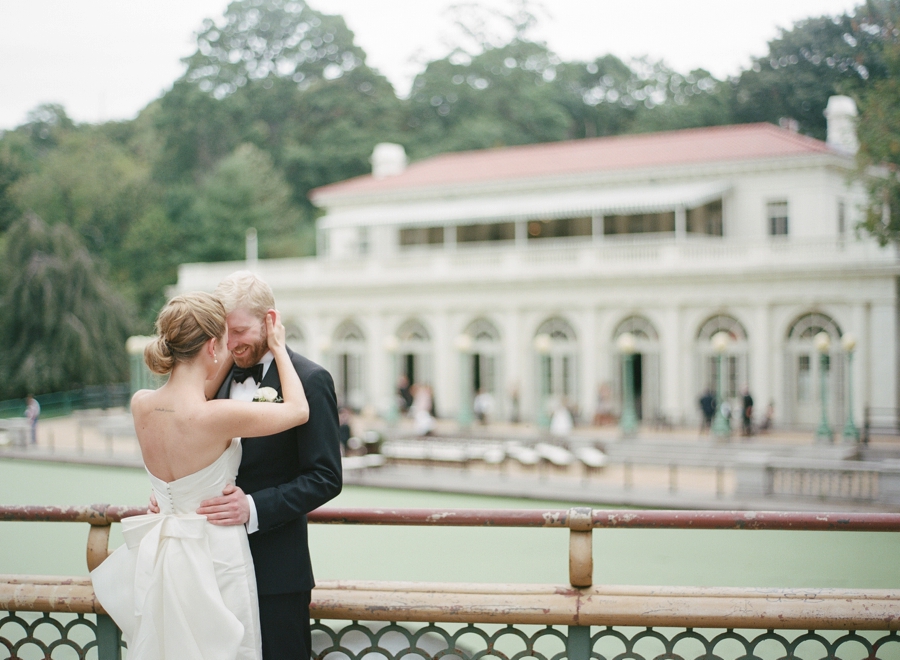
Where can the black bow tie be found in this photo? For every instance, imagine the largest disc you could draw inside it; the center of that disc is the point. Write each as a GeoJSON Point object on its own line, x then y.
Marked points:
{"type": "Point", "coordinates": [255, 372]}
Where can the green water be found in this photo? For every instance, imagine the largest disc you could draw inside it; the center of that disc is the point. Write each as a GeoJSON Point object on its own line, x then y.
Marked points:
{"type": "Point", "coordinates": [662, 557]}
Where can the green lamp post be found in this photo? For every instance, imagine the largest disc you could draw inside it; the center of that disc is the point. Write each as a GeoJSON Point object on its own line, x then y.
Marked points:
{"type": "Point", "coordinates": [822, 343]}
{"type": "Point", "coordinates": [628, 422]}
{"type": "Point", "coordinates": [391, 346]}
{"type": "Point", "coordinates": [851, 433]}
{"type": "Point", "coordinates": [721, 428]}
{"type": "Point", "coordinates": [543, 344]}
{"type": "Point", "coordinates": [463, 344]}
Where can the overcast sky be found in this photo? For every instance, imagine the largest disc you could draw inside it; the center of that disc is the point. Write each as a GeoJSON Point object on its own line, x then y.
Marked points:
{"type": "Point", "coordinates": [106, 59]}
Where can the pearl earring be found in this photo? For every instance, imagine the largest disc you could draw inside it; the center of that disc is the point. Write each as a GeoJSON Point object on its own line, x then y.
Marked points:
{"type": "Point", "coordinates": [216, 361]}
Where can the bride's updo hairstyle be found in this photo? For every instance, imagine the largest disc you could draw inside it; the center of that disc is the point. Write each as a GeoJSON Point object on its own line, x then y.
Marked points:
{"type": "Point", "coordinates": [183, 326]}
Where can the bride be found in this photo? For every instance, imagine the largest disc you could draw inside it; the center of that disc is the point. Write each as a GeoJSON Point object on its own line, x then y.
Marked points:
{"type": "Point", "coordinates": [181, 587]}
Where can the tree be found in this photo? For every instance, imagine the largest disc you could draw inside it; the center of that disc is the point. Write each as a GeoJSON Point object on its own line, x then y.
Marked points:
{"type": "Point", "coordinates": [816, 59]}
{"type": "Point", "coordinates": [244, 191]}
{"type": "Point", "coordinates": [63, 327]}
{"type": "Point", "coordinates": [879, 135]}
{"type": "Point", "coordinates": [264, 39]}
{"type": "Point", "coordinates": [21, 150]}
{"type": "Point", "coordinates": [94, 186]}
{"type": "Point", "coordinates": [502, 96]}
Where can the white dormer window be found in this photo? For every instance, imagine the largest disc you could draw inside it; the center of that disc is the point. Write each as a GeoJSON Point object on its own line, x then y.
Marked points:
{"type": "Point", "coordinates": [777, 215]}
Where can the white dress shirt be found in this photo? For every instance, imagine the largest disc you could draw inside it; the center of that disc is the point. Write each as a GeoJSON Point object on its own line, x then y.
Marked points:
{"type": "Point", "coordinates": [245, 392]}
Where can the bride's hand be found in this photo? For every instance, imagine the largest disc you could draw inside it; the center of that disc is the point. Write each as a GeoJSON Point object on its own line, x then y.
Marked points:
{"type": "Point", "coordinates": [275, 331]}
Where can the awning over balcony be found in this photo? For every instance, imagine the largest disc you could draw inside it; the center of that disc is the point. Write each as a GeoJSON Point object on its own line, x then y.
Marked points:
{"type": "Point", "coordinates": [538, 206]}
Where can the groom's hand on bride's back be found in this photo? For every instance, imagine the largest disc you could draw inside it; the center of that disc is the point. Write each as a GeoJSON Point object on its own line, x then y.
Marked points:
{"type": "Point", "coordinates": [231, 508]}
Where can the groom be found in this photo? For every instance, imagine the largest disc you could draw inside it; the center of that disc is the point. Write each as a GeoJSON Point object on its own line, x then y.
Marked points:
{"type": "Point", "coordinates": [282, 477]}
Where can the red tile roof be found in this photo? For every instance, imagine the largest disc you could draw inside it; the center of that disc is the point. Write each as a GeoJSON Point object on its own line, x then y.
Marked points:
{"type": "Point", "coordinates": [671, 148]}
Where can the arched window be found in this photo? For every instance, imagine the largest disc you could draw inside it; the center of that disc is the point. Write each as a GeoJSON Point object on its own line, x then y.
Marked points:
{"type": "Point", "coordinates": [556, 354]}
{"type": "Point", "coordinates": [483, 331]}
{"type": "Point", "coordinates": [295, 338]}
{"type": "Point", "coordinates": [348, 331]}
{"type": "Point", "coordinates": [722, 323]}
{"type": "Point", "coordinates": [807, 371]}
{"type": "Point", "coordinates": [557, 329]}
{"type": "Point", "coordinates": [644, 365]}
{"type": "Point", "coordinates": [735, 359]}
{"type": "Point", "coordinates": [415, 352]}
{"type": "Point", "coordinates": [413, 331]}
{"type": "Point", "coordinates": [482, 373]}
{"type": "Point", "coordinates": [349, 349]}
{"type": "Point", "coordinates": [808, 326]}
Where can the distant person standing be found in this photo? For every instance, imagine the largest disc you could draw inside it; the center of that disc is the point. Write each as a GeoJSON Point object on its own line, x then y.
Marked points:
{"type": "Point", "coordinates": [483, 406]}
{"type": "Point", "coordinates": [32, 412]}
{"type": "Point", "coordinates": [561, 422]}
{"type": "Point", "coordinates": [708, 408]}
{"type": "Point", "coordinates": [405, 393]}
{"type": "Point", "coordinates": [421, 409]}
{"type": "Point", "coordinates": [747, 413]}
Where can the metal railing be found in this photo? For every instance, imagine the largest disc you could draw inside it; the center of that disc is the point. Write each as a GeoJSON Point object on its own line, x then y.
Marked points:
{"type": "Point", "coordinates": [880, 421]}
{"type": "Point", "coordinates": [57, 404]}
{"type": "Point", "coordinates": [580, 621]}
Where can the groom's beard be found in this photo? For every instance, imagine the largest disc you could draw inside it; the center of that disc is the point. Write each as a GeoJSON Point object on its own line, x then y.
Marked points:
{"type": "Point", "coordinates": [255, 354]}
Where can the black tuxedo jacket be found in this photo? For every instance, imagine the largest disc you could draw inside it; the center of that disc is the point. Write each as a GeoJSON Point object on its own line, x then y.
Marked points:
{"type": "Point", "coordinates": [288, 475]}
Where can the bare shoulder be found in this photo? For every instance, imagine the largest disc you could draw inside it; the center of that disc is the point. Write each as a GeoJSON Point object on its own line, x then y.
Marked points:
{"type": "Point", "coordinates": [140, 398]}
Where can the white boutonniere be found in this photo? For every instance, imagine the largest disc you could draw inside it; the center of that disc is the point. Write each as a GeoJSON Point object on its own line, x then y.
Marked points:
{"type": "Point", "coordinates": [267, 395]}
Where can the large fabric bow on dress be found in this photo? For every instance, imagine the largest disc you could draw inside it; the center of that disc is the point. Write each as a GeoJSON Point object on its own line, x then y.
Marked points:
{"type": "Point", "coordinates": [174, 581]}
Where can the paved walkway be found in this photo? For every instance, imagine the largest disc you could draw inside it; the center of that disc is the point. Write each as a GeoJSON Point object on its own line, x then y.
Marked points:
{"type": "Point", "coordinates": [107, 438]}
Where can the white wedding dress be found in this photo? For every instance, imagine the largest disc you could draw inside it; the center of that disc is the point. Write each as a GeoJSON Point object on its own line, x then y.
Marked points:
{"type": "Point", "coordinates": [181, 588]}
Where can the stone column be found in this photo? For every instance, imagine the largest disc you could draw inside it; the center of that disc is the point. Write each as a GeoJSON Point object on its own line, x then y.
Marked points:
{"type": "Point", "coordinates": [587, 362]}
{"type": "Point", "coordinates": [444, 385]}
{"type": "Point", "coordinates": [671, 377]}
{"type": "Point", "coordinates": [680, 223]}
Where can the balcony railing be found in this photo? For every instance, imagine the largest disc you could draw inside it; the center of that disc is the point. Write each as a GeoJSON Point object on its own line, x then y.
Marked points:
{"type": "Point", "coordinates": [57, 617]}
{"type": "Point", "coordinates": [582, 257]}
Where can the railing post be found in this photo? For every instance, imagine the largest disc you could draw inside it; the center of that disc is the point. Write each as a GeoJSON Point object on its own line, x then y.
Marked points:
{"type": "Point", "coordinates": [109, 639]}
{"type": "Point", "coordinates": [97, 544]}
{"type": "Point", "coordinates": [581, 551]}
{"type": "Point", "coordinates": [578, 643]}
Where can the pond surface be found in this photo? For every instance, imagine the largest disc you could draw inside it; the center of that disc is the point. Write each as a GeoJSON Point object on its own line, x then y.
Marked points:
{"type": "Point", "coordinates": [455, 554]}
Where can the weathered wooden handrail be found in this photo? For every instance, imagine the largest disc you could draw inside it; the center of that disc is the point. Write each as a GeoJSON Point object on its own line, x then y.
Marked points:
{"type": "Point", "coordinates": [577, 604]}
{"type": "Point", "coordinates": [103, 514]}
{"type": "Point", "coordinates": [609, 605]}
{"type": "Point", "coordinates": [580, 521]}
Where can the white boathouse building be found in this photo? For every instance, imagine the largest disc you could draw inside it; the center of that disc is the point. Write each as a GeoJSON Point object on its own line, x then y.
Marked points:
{"type": "Point", "coordinates": [514, 271]}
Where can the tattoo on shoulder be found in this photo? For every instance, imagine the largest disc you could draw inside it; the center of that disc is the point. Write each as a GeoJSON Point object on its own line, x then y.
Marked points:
{"type": "Point", "coordinates": [164, 410]}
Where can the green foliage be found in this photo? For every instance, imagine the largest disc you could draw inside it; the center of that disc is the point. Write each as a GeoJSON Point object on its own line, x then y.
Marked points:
{"type": "Point", "coordinates": [62, 326]}
{"type": "Point", "coordinates": [278, 100]}
{"type": "Point", "coordinates": [92, 185]}
{"type": "Point", "coordinates": [264, 39]}
{"type": "Point", "coordinates": [816, 59]}
{"type": "Point", "coordinates": [244, 191]}
{"type": "Point", "coordinates": [879, 133]}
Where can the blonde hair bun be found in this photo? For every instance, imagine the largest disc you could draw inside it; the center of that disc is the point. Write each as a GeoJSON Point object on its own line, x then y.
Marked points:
{"type": "Point", "coordinates": [183, 326]}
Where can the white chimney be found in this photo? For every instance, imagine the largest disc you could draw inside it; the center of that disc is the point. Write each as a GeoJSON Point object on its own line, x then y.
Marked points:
{"type": "Point", "coordinates": [251, 248]}
{"type": "Point", "coordinates": [841, 116]}
{"type": "Point", "coordinates": [388, 159]}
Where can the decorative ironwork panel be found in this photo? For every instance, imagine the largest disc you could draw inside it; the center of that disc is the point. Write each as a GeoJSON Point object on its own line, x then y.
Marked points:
{"type": "Point", "coordinates": [695, 644]}
{"type": "Point", "coordinates": [58, 636]}
{"type": "Point", "coordinates": [392, 641]}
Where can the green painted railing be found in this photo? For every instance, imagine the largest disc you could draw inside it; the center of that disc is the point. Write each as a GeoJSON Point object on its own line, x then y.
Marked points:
{"type": "Point", "coordinates": [58, 404]}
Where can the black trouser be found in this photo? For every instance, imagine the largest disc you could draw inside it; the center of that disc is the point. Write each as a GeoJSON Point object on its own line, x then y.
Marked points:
{"type": "Point", "coordinates": [284, 622]}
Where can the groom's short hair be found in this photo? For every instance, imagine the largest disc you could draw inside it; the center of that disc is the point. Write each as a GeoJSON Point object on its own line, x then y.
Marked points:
{"type": "Point", "coordinates": [245, 290]}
